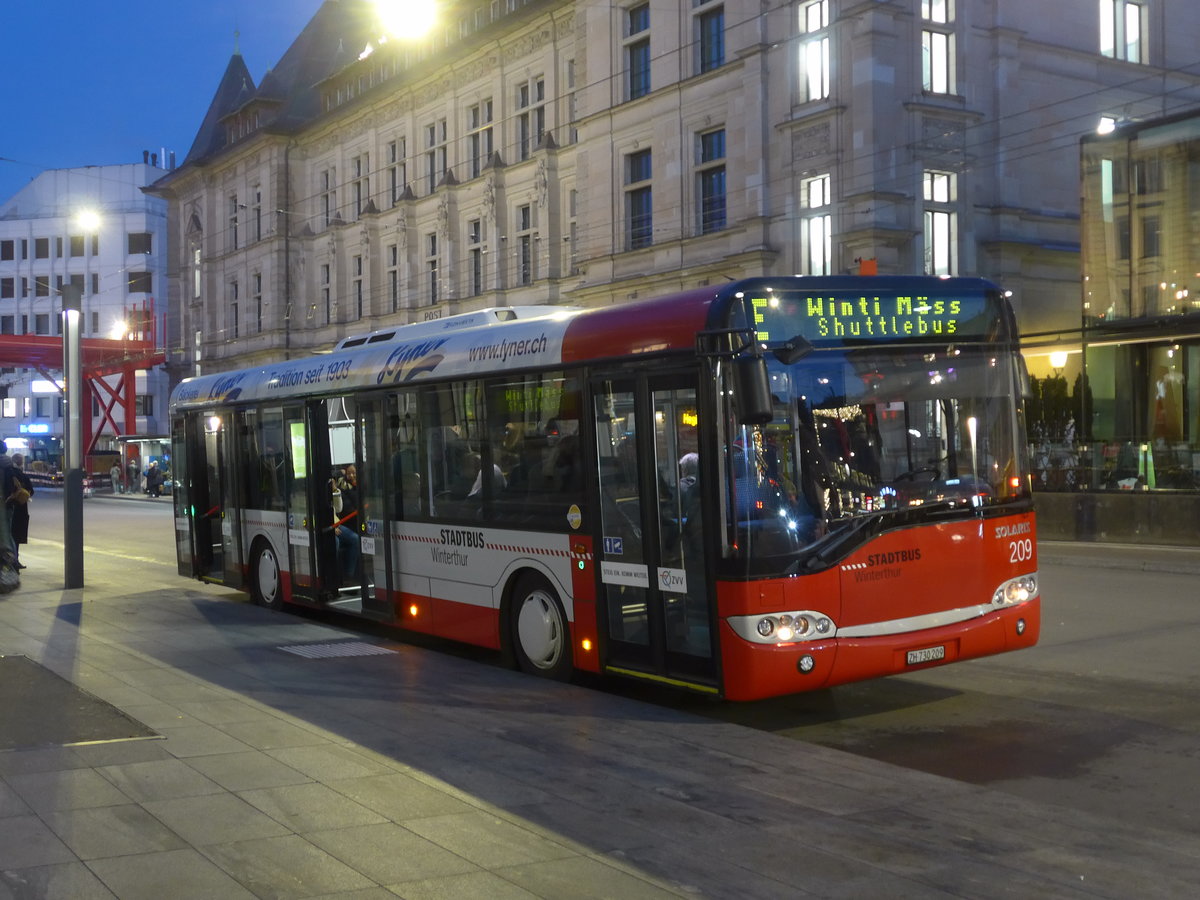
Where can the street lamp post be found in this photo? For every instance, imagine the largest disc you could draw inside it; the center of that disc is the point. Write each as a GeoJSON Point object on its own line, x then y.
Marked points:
{"type": "Point", "coordinates": [73, 437]}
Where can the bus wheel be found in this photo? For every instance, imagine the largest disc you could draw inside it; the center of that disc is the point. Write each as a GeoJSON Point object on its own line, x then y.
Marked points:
{"type": "Point", "coordinates": [265, 585]}
{"type": "Point", "coordinates": [539, 629]}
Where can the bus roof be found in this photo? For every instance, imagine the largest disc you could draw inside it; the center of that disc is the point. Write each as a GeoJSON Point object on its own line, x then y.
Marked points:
{"type": "Point", "coordinates": [486, 343]}
{"type": "Point", "coordinates": [479, 317]}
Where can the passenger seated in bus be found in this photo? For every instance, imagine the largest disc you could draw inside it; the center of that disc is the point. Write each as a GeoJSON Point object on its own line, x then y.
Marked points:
{"type": "Point", "coordinates": [564, 472]}
{"type": "Point", "coordinates": [527, 475]}
{"type": "Point", "coordinates": [498, 481]}
{"type": "Point", "coordinates": [344, 498]}
{"type": "Point", "coordinates": [449, 462]}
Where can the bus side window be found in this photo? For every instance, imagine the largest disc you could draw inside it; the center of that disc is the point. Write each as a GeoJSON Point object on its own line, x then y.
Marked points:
{"type": "Point", "coordinates": [406, 438]}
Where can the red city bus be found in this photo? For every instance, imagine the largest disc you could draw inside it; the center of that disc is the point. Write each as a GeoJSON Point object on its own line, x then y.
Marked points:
{"type": "Point", "coordinates": [778, 485]}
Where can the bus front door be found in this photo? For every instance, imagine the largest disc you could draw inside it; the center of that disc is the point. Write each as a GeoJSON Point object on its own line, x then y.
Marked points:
{"type": "Point", "coordinates": [656, 601]}
{"type": "Point", "coordinates": [205, 498]}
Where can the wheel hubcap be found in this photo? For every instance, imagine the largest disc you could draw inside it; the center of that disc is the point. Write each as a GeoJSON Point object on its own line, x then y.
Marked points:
{"type": "Point", "coordinates": [268, 576]}
{"type": "Point", "coordinates": [540, 630]}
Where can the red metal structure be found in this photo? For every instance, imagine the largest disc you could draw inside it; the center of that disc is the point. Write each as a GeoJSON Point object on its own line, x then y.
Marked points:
{"type": "Point", "coordinates": [101, 358]}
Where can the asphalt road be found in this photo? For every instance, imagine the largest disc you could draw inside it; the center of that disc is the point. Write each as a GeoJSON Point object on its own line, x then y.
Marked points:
{"type": "Point", "coordinates": [1102, 716]}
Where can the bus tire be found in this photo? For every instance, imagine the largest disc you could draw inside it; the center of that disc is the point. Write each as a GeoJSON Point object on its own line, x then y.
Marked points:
{"type": "Point", "coordinates": [266, 587]}
{"type": "Point", "coordinates": [540, 636]}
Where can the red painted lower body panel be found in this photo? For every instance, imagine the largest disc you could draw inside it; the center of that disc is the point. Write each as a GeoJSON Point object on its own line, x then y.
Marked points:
{"type": "Point", "coordinates": [755, 671]}
{"type": "Point", "coordinates": [479, 625]}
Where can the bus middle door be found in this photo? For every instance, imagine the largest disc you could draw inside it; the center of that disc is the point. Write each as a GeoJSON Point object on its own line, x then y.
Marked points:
{"type": "Point", "coordinates": [309, 514]}
{"type": "Point", "coordinates": [656, 609]}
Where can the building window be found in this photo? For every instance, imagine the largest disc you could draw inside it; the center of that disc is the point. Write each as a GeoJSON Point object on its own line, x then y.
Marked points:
{"type": "Point", "coordinates": [940, 192]}
{"type": "Point", "coordinates": [327, 291]}
{"type": "Point", "coordinates": [1122, 30]}
{"type": "Point", "coordinates": [78, 245]}
{"type": "Point", "coordinates": [431, 266]}
{"type": "Point", "coordinates": [937, 62]}
{"type": "Point", "coordinates": [637, 51]}
{"type": "Point", "coordinates": [1151, 236]}
{"type": "Point", "coordinates": [233, 309]}
{"type": "Point", "coordinates": [710, 36]}
{"type": "Point", "coordinates": [139, 243]}
{"type": "Point", "coordinates": [397, 170]}
{"type": "Point", "coordinates": [479, 124]}
{"type": "Point", "coordinates": [257, 301]}
{"type": "Point", "coordinates": [41, 285]}
{"type": "Point", "coordinates": [475, 256]}
{"type": "Point", "coordinates": [256, 212]}
{"type": "Point", "coordinates": [639, 218]}
{"type": "Point", "coordinates": [531, 120]}
{"type": "Point", "coordinates": [814, 50]}
{"type": "Point", "coordinates": [7, 250]}
{"type": "Point", "coordinates": [393, 275]}
{"type": "Point", "coordinates": [937, 47]}
{"type": "Point", "coordinates": [232, 232]}
{"type": "Point", "coordinates": [710, 180]}
{"type": "Point", "coordinates": [572, 228]}
{"type": "Point", "coordinates": [524, 229]}
{"type": "Point", "coordinates": [1148, 176]}
{"type": "Point", "coordinates": [356, 267]}
{"type": "Point", "coordinates": [435, 153]}
{"type": "Point", "coordinates": [8, 288]}
{"type": "Point", "coordinates": [328, 194]}
{"type": "Point", "coordinates": [140, 283]}
{"type": "Point", "coordinates": [360, 186]}
{"type": "Point", "coordinates": [572, 106]}
{"type": "Point", "coordinates": [41, 248]}
{"type": "Point", "coordinates": [196, 269]}
{"type": "Point", "coordinates": [816, 236]}
{"type": "Point", "coordinates": [938, 11]}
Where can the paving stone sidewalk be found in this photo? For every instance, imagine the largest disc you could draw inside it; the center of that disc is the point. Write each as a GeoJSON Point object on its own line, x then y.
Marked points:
{"type": "Point", "coordinates": [409, 772]}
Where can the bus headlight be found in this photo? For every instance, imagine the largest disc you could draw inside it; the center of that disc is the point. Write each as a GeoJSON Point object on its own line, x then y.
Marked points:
{"type": "Point", "coordinates": [1016, 590]}
{"type": "Point", "coordinates": [783, 628]}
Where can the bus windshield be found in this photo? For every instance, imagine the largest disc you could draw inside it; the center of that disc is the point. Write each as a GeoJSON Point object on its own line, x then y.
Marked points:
{"type": "Point", "coordinates": [864, 439]}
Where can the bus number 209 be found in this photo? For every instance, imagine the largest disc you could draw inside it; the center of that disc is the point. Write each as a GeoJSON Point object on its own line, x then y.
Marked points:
{"type": "Point", "coordinates": [1020, 551]}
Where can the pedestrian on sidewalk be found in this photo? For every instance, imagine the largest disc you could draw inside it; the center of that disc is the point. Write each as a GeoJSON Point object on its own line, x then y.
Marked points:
{"type": "Point", "coordinates": [114, 475]}
{"type": "Point", "coordinates": [154, 479]}
{"type": "Point", "coordinates": [18, 491]}
{"type": "Point", "coordinates": [10, 578]}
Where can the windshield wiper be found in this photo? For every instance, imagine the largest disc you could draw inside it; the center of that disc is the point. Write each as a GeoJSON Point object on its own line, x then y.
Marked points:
{"type": "Point", "coordinates": [851, 533]}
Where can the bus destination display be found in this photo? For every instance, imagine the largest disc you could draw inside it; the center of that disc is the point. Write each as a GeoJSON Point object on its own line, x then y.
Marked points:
{"type": "Point", "coordinates": [833, 318]}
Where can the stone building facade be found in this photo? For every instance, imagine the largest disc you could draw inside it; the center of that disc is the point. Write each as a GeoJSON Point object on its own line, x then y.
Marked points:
{"type": "Point", "coordinates": [550, 152]}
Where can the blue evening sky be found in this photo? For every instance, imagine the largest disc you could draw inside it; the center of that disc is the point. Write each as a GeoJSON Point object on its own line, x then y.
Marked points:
{"type": "Point", "coordinates": [88, 83]}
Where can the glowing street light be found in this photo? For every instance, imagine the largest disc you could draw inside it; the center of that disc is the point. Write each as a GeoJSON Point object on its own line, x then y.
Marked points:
{"type": "Point", "coordinates": [88, 220]}
{"type": "Point", "coordinates": [407, 19]}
